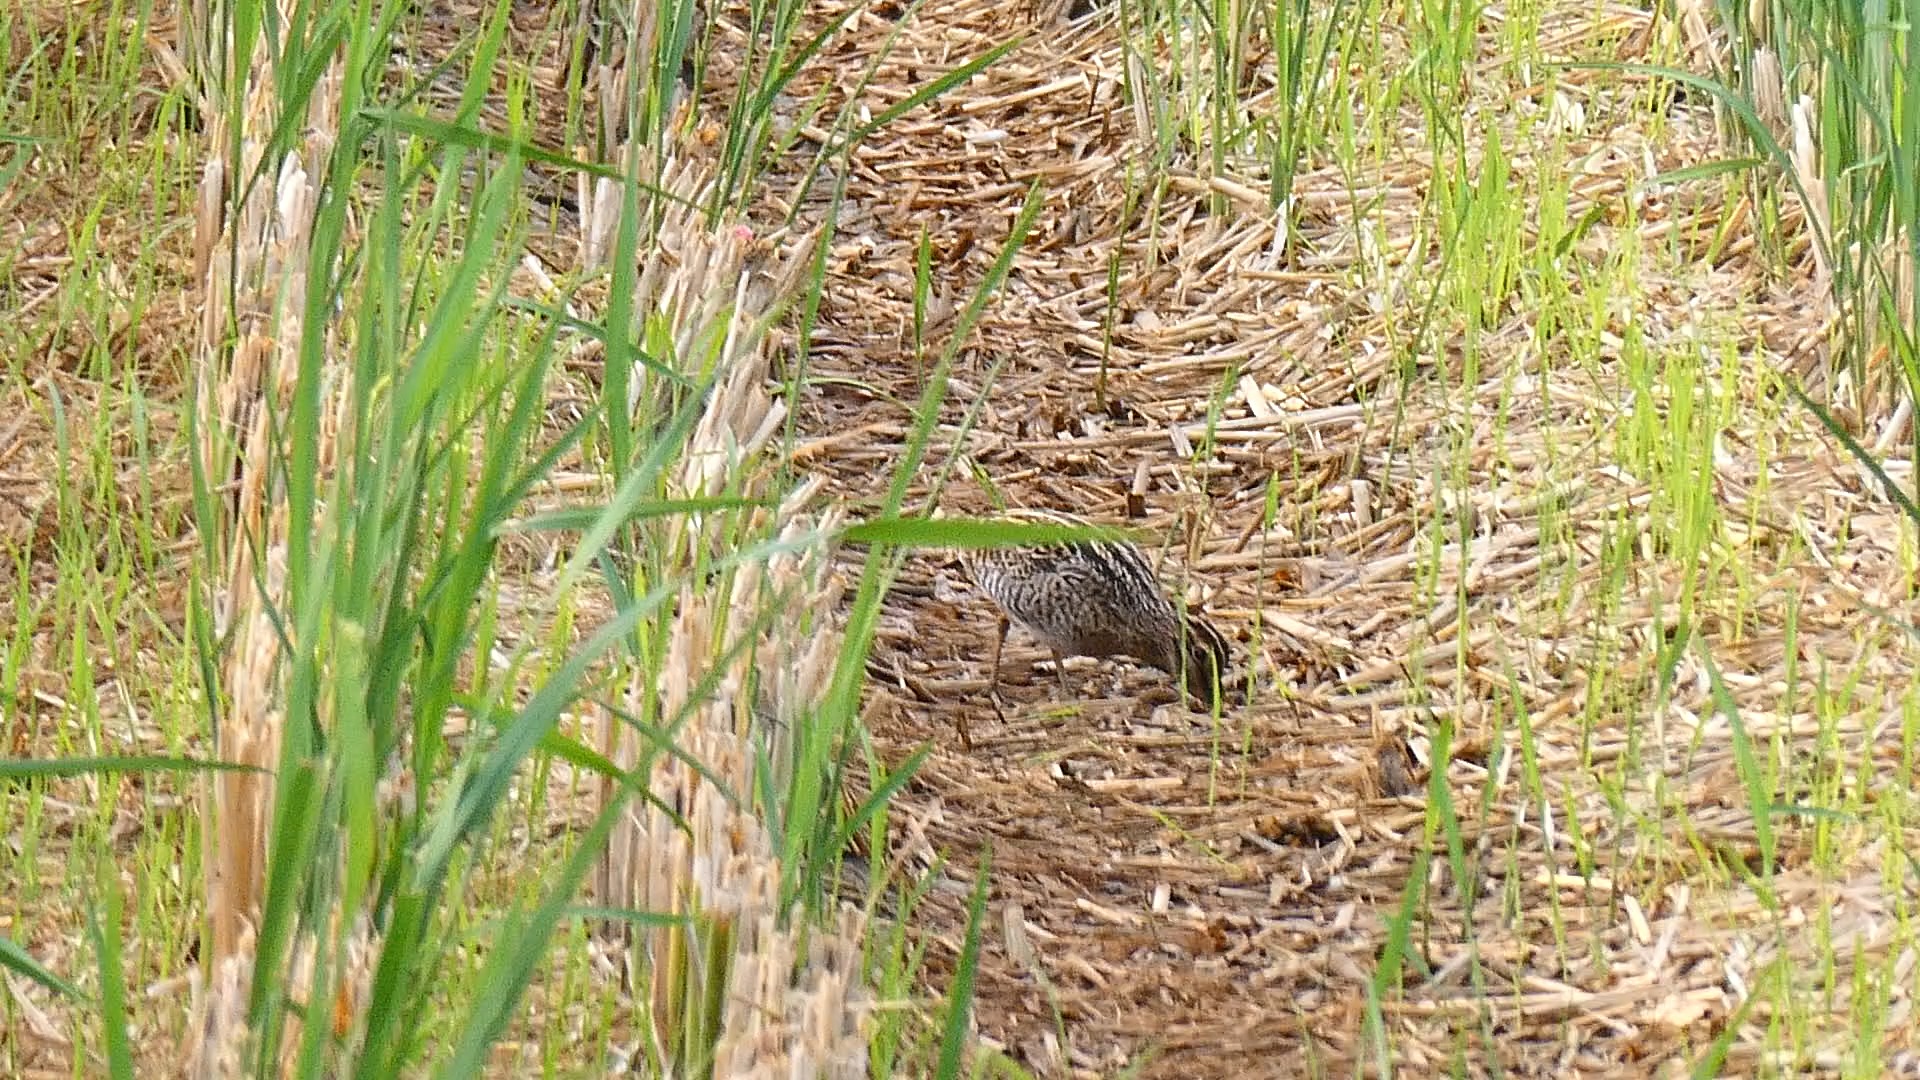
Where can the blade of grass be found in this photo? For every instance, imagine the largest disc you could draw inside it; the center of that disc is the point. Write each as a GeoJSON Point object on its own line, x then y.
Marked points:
{"type": "Point", "coordinates": [1759, 788]}
{"type": "Point", "coordinates": [104, 926]}
{"type": "Point", "coordinates": [23, 769]}
{"type": "Point", "coordinates": [519, 944]}
{"type": "Point", "coordinates": [20, 962]}
{"type": "Point", "coordinates": [956, 1027]}
{"type": "Point", "coordinates": [1386, 973]}
{"type": "Point", "coordinates": [977, 533]}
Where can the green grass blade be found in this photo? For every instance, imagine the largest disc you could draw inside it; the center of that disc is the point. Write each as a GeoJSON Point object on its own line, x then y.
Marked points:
{"type": "Point", "coordinates": [519, 945]}
{"type": "Point", "coordinates": [450, 133]}
{"type": "Point", "coordinates": [20, 962]}
{"type": "Point", "coordinates": [923, 95]}
{"type": "Point", "coordinates": [25, 768]}
{"type": "Point", "coordinates": [582, 518]}
{"type": "Point", "coordinates": [1386, 973]}
{"type": "Point", "coordinates": [1892, 490]}
{"type": "Point", "coordinates": [105, 929]}
{"type": "Point", "coordinates": [878, 799]}
{"type": "Point", "coordinates": [1759, 788]}
{"type": "Point", "coordinates": [964, 533]}
{"type": "Point", "coordinates": [955, 1028]}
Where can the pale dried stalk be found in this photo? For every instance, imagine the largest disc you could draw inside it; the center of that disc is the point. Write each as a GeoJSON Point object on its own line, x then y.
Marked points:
{"type": "Point", "coordinates": [1871, 396]}
{"type": "Point", "coordinates": [721, 872]}
{"type": "Point", "coordinates": [1806, 165]}
{"type": "Point", "coordinates": [253, 274]}
{"type": "Point", "coordinates": [777, 1025]}
{"type": "Point", "coordinates": [1695, 27]}
{"type": "Point", "coordinates": [1769, 88]}
{"type": "Point", "coordinates": [705, 285]}
{"type": "Point", "coordinates": [216, 1044]}
{"type": "Point", "coordinates": [794, 659]}
{"type": "Point", "coordinates": [611, 78]}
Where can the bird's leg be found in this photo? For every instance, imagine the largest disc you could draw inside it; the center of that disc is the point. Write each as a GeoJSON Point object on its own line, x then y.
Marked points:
{"type": "Point", "coordinates": [993, 680]}
{"type": "Point", "coordinates": [1060, 669]}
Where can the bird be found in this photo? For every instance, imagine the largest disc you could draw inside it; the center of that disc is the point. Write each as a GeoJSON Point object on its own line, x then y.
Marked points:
{"type": "Point", "coordinates": [1094, 598]}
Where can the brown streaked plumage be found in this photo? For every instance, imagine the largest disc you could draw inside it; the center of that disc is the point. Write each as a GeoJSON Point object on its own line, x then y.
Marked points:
{"type": "Point", "coordinates": [1097, 598]}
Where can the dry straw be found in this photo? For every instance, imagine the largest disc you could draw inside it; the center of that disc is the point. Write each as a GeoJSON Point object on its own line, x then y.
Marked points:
{"type": "Point", "coordinates": [252, 260]}
{"type": "Point", "coordinates": [723, 985]}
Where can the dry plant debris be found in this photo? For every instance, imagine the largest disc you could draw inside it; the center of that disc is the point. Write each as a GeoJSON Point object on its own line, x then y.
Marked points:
{"type": "Point", "coordinates": [1212, 896]}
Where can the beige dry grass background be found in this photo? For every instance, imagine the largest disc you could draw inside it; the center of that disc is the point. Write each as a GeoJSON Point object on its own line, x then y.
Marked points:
{"type": "Point", "coordinates": [1486, 460]}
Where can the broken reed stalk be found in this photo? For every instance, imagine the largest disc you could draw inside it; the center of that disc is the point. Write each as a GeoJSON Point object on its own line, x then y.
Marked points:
{"type": "Point", "coordinates": [1834, 141]}
{"type": "Point", "coordinates": [729, 989]}
{"type": "Point", "coordinates": [251, 259]}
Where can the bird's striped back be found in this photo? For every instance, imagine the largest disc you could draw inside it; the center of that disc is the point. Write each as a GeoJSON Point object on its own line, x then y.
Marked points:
{"type": "Point", "coordinates": [1119, 561]}
{"type": "Point", "coordinates": [1096, 598]}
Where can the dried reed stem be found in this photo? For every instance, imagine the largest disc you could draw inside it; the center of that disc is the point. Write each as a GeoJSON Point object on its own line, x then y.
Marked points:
{"type": "Point", "coordinates": [708, 287]}
{"type": "Point", "coordinates": [252, 260]}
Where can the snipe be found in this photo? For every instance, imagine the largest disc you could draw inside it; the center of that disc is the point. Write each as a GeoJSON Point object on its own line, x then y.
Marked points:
{"type": "Point", "coordinates": [1095, 598]}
